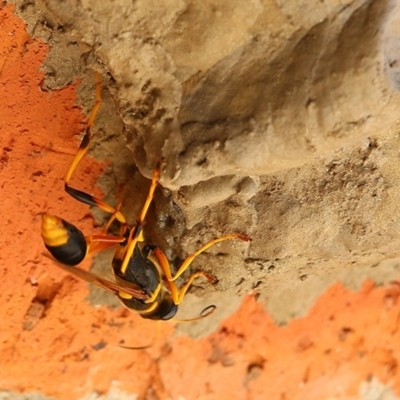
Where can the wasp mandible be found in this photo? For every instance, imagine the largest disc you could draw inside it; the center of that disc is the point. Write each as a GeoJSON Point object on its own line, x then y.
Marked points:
{"type": "Point", "coordinates": [143, 280]}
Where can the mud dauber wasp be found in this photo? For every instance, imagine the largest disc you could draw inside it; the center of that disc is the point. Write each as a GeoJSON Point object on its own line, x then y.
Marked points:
{"type": "Point", "coordinates": [143, 280]}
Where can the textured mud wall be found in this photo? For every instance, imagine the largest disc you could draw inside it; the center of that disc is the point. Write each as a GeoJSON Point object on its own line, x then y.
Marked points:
{"type": "Point", "coordinates": [277, 120]}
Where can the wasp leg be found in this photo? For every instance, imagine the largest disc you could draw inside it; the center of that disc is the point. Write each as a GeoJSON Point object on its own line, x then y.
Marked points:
{"type": "Point", "coordinates": [113, 216]}
{"type": "Point", "coordinates": [93, 201]}
{"type": "Point", "coordinates": [83, 148]}
{"type": "Point", "coordinates": [185, 265]}
{"type": "Point", "coordinates": [98, 243]}
{"type": "Point", "coordinates": [164, 264]}
{"type": "Point", "coordinates": [136, 234]}
{"type": "Point", "coordinates": [154, 181]}
{"type": "Point", "coordinates": [176, 293]}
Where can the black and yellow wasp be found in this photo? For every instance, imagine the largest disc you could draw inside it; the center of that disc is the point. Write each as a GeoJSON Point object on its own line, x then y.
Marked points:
{"type": "Point", "coordinates": [143, 280]}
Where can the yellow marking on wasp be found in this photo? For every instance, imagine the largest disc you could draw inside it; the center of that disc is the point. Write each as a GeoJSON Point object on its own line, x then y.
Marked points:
{"type": "Point", "coordinates": [150, 309]}
{"type": "Point", "coordinates": [154, 295]}
{"type": "Point", "coordinates": [125, 295]}
{"type": "Point", "coordinates": [53, 231]}
{"type": "Point", "coordinates": [141, 237]}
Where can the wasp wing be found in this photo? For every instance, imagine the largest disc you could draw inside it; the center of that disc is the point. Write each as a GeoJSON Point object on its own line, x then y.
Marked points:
{"type": "Point", "coordinates": [125, 287]}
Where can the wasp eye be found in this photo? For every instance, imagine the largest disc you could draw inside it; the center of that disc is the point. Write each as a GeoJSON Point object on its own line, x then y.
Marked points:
{"type": "Point", "coordinates": [171, 313]}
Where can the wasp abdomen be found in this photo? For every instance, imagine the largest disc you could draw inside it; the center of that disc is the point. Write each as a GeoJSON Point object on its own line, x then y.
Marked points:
{"type": "Point", "coordinates": [65, 241]}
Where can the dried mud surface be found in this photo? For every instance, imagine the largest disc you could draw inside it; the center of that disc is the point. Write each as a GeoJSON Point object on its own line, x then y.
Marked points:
{"type": "Point", "coordinates": [283, 128]}
{"type": "Point", "coordinates": [296, 146]}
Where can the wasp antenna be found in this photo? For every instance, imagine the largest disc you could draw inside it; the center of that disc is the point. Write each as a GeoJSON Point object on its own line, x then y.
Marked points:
{"type": "Point", "coordinates": [135, 347]}
{"type": "Point", "coordinates": [153, 340]}
{"type": "Point", "coordinates": [208, 311]}
{"type": "Point", "coordinates": [204, 314]}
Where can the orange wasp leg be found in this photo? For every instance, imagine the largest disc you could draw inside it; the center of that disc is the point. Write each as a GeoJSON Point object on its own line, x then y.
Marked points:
{"type": "Point", "coordinates": [98, 243]}
{"type": "Point", "coordinates": [83, 148]}
{"type": "Point", "coordinates": [136, 234]}
{"type": "Point", "coordinates": [113, 216]}
{"type": "Point", "coordinates": [176, 293]}
{"type": "Point", "coordinates": [185, 265]}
